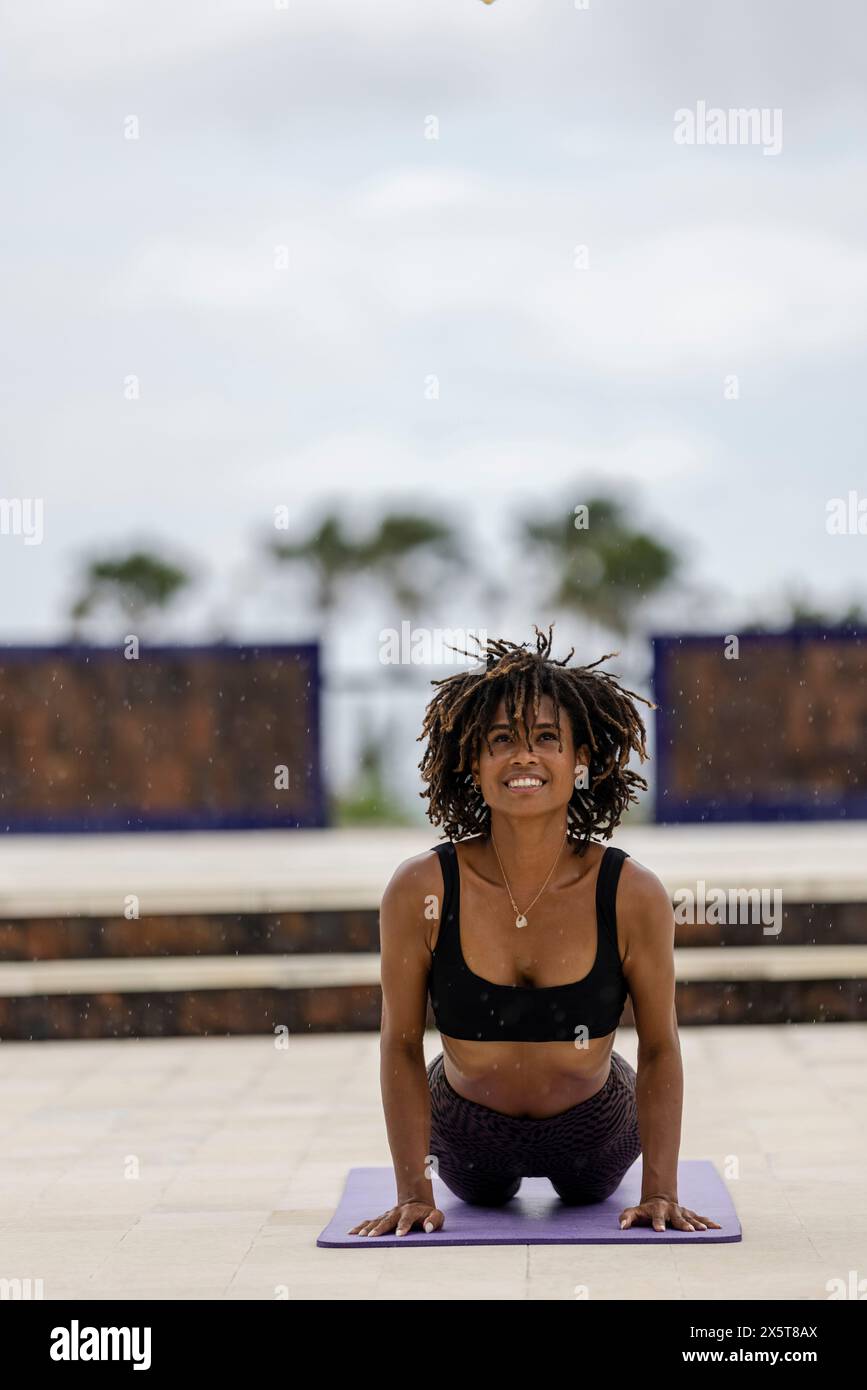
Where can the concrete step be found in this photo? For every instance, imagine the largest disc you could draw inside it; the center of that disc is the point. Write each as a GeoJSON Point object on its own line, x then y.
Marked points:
{"type": "Point", "coordinates": [274, 871]}
{"type": "Point", "coordinates": [206, 996]}
{"type": "Point", "coordinates": [149, 974]}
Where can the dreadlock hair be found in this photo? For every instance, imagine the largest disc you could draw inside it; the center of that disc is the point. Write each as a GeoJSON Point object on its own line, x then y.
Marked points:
{"type": "Point", "coordinates": [603, 716]}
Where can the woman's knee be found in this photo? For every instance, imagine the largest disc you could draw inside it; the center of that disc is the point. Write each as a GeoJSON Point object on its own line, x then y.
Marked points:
{"type": "Point", "coordinates": [490, 1193]}
{"type": "Point", "coordinates": [600, 1176]}
{"type": "Point", "coordinates": [577, 1194]}
{"type": "Point", "coordinates": [494, 1196]}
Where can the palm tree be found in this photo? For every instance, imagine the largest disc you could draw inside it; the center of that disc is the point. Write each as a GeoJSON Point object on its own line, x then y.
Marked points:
{"type": "Point", "coordinates": [400, 549]}
{"type": "Point", "coordinates": [327, 553]}
{"type": "Point", "coordinates": [403, 546]}
{"type": "Point", "coordinates": [138, 585]}
{"type": "Point", "coordinates": [605, 571]}
{"type": "Point", "coordinates": [407, 554]}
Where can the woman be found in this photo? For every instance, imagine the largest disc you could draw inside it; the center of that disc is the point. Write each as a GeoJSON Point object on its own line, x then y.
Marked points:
{"type": "Point", "coordinates": [528, 934]}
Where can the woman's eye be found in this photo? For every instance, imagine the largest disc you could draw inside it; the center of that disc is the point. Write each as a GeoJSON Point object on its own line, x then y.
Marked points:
{"type": "Point", "coordinates": [508, 737]}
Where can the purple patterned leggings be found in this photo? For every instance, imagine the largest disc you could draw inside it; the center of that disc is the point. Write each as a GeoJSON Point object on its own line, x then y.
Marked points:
{"type": "Point", "coordinates": [482, 1155]}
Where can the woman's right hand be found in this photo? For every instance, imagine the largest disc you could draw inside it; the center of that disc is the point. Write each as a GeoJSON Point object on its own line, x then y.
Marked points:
{"type": "Point", "coordinates": [402, 1219]}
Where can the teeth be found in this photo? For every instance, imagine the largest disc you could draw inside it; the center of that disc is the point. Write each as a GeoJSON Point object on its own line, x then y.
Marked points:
{"type": "Point", "coordinates": [524, 782]}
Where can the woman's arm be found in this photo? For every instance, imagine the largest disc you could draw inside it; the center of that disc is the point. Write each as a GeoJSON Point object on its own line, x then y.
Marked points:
{"type": "Point", "coordinates": [644, 907]}
{"type": "Point", "coordinates": [405, 934]}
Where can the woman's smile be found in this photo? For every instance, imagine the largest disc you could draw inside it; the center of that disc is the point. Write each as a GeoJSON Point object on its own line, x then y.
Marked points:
{"type": "Point", "coordinates": [524, 784]}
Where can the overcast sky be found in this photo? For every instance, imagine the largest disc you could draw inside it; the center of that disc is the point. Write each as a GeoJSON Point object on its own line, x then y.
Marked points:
{"type": "Point", "coordinates": [409, 258]}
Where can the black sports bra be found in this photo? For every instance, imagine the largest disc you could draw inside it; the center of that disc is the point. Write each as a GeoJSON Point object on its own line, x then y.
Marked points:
{"type": "Point", "coordinates": [466, 1006]}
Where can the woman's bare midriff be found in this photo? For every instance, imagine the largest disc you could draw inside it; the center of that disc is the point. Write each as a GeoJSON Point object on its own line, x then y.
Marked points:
{"type": "Point", "coordinates": [528, 1080]}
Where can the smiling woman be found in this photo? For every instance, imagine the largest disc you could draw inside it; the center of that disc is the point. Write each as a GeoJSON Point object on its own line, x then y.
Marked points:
{"type": "Point", "coordinates": [476, 709]}
{"type": "Point", "coordinates": [528, 935]}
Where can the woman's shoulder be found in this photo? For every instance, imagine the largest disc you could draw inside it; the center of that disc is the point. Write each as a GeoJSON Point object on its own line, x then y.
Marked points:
{"type": "Point", "coordinates": [420, 874]}
{"type": "Point", "coordinates": [640, 890]}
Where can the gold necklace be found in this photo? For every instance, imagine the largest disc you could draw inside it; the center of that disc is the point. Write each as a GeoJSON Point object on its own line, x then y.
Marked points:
{"type": "Point", "coordinates": [521, 917]}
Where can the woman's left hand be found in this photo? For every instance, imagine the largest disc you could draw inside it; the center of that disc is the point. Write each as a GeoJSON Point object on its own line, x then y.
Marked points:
{"type": "Point", "coordinates": [657, 1211]}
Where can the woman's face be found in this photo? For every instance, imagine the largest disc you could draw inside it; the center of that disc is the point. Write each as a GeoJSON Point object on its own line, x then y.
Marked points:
{"type": "Point", "coordinates": [548, 768]}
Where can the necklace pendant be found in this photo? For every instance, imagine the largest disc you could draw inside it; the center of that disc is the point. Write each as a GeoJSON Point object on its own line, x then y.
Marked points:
{"type": "Point", "coordinates": [520, 920]}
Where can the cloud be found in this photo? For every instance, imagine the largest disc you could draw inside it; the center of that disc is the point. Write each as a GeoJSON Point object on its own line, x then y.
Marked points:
{"type": "Point", "coordinates": [416, 249]}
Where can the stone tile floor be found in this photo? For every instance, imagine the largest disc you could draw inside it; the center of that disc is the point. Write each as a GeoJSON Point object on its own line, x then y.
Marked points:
{"type": "Point", "coordinates": [205, 1168]}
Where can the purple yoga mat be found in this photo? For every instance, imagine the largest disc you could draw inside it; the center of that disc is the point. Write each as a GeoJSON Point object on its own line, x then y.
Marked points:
{"type": "Point", "coordinates": [535, 1215]}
